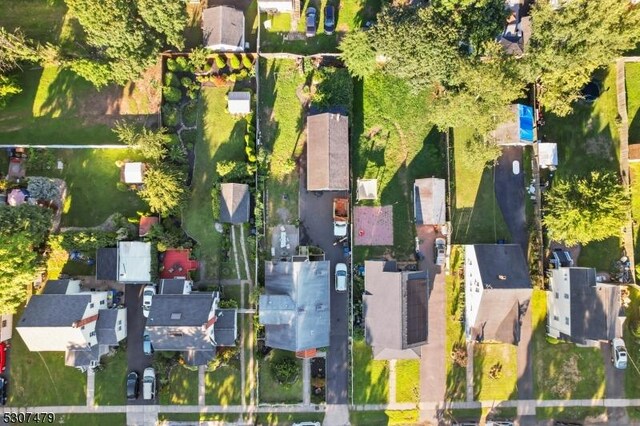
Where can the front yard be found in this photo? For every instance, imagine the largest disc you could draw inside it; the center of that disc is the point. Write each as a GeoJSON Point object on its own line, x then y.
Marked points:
{"type": "Point", "coordinates": [455, 338]}
{"type": "Point", "coordinates": [111, 380]}
{"type": "Point", "coordinates": [222, 386]}
{"type": "Point", "coordinates": [272, 391]}
{"type": "Point", "coordinates": [494, 371]}
{"type": "Point", "coordinates": [407, 380]}
{"type": "Point", "coordinates": [182, 388]}
{"type": "Point", "coordinates": [370, 378]}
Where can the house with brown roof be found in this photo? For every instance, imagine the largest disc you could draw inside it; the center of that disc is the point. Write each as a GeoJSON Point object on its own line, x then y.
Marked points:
{"type": "Point", "coordinates": [328, 152]}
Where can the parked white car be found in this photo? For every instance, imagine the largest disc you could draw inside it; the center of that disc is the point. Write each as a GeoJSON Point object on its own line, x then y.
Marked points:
{"type": "Point", "coordinates": [149, 383]}
{"type": "Point", "coordinates": [618, 353]}
{"type": "Point", "coordinates": [147, 296]}
{"type": "Point", "coordinates": [341, 277]}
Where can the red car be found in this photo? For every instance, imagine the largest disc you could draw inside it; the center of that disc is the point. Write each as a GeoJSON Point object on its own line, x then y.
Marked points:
{"type": "Point", "coordinates": [4, 346]}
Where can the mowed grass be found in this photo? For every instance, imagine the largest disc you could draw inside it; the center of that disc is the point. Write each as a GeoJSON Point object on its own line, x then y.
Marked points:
{"type": "Point", "coordinates": [270, 390]}
{"type": "Point", "coordinates": [222, 386]}
{"type": "Point", "coordinates": [394, 143]}
{"type": "Point", "coordinates": [41, 378]}
{"type": "Point", "coordinates": [220, 137]}
{"type": "Point", "coordinates": [456, 375]}
{"type": "Point", "coordinates": [91, 176]}
{"type": "Point", "coordinates": [476, 214]}
{"type": "Point", "coordinates": [632, 375]}
{"type": "Point", "coordinates": [281, 125]}
{"type": "Point", "coordinates": [182, 388]}
{"type": "Point", "coordinates": [498, 356]}
{"type": "Point", "coordinates": [562, 370]}
{"type": "Point", "coordinates": [383, 418]}
{"type": "Point", "coordinates": [407, 380]}
{"type": "Point", "coordinates": [111, 381]}
{"type": "Point", "coordinates": [287, 419]}
{"type": "Point", "coordinates": [57, 106]}
{"type": "Point", "coordinates": [588, 140]}
{"type": "Point", "coordinates": [370, 378]}
{"type": "Point", "coordinates": [110, 419]}
{"type": "Point", "coordinates": [41, 20]}
{"type": "Point", "coordinates": [632, 80]}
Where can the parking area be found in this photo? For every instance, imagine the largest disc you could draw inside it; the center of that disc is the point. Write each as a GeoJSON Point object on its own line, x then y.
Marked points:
{"type": "Point", "coordinates": [509, 188]}
{"type": "Point", "coordinates": [136, 359]}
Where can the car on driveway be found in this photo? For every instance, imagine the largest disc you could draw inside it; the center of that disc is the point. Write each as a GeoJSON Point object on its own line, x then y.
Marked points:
{"type": "Point", "coordinates": [147, 348]}
{"type": "Point", "coordinates": [132, 385]}
{"type": "Point", "coordinates": [3, 391]}
{"type": "Point", "coordinates": [341, 277]}
{"type": "Point", "coordinates": [618, 353]}
{"type": "Point", "coordinates": [149, 383]}
{"type": "Point", "coordinates": [311, 21]}
{"type": "Point", "coordinates": [147, 297]}
{"type": "Point", "coordinates": [329, 20]}
{"type": "Point", "coordinates": [4, 347]}
{"type": "Point", "coordinates": [440, 251]}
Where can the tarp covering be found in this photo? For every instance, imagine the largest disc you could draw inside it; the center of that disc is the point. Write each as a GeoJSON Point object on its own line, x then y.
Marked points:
{"type": "Point", "coordinates": [525, 115]}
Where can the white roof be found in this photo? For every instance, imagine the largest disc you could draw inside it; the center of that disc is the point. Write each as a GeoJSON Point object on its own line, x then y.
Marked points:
{"type": "Point", "coordinates": [548, 154]}
{"type": "Point", "coordinates": [239, 102]}
{"type": "Point", "coordinates": [367, 189]}
{"type": "Point", "coordinates": [430, 201]}
{"type": "Point", "coordinates": [133, 172]}
{"type": "Point", "coordinates": [134, 261]}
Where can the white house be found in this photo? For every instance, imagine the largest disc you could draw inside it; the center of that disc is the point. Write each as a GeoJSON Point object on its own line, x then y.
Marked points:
{"type": "Point", "coordinates": [239, 103]}
{"type": "Point", "coordinates": [134, 262]}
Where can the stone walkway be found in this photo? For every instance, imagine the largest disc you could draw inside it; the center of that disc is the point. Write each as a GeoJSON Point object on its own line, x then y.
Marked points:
{"type": "Point", "coordinates": [201, 384]}
{"type": "Point", "coordinates": [91, 387]}
{"type": "Point", "coordinates": [306, 381]}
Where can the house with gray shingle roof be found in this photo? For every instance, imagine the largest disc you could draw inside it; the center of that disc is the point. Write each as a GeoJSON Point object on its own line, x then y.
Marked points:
{"type": "Point", "coordinates": [223, 29]}
{"type": "Point", "coordinates": [75, 322]}
{"type": "Point", "coordinates": [234, 203]}
{"type": "Point", "coordinates": [327, 152]}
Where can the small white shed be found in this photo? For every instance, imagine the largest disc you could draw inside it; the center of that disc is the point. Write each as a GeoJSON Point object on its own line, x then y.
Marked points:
{"type": "Point", "coordinates": [548, 155]}
{"type": "Point", "coordinates": [367, 189]}
{"type": "Point", "coordinates": [133, 173]}
{"type": "Point", "coordinates": [239, 103]}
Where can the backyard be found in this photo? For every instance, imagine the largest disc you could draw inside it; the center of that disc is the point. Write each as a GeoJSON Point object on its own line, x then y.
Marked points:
{"type": "Point", "coordinates": [182, 388]}
{"type": "Point", "coordinates": [370, 378]}
{"type": "Point", "coordinates": [272, 391]}
{"type": "Point", "coordinates": [632, 79]}
{"type": "Point", "coordinates": [394, 144]}
{"type": "Point", "coordinates": [350, 15]}
{"type": "Point", "coordinates": [220, 138]}
{"type": "Point", "coordinates": [111, 380]}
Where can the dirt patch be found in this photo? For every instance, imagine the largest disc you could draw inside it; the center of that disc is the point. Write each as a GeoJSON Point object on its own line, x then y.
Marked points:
{"type": "Point", "coordinates": [566, 378]}
{"type": "Point", "coordinates": [599, 146]}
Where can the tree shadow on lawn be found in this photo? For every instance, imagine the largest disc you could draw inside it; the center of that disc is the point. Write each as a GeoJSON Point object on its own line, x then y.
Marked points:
{"type": "Point", "coordinates": [371, 378]}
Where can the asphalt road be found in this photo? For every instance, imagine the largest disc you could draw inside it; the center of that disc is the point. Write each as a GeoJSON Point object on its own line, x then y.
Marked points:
{"type": "Point", "coordinates": [509, 189]}
{"type": "Point", "coordinates": [136, 359]}
{"type": "Point", "coordinates": [316, 215]}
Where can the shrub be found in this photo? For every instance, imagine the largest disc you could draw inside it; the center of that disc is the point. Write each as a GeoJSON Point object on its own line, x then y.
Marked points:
{"type": "Point", "coordinates": [496, 371]}
{"type": "Point", "coordinates": [190, 114]}
{"type": "Point", "coordinates": [228, 304]}
{"type": "Point", "coordinates": [40, 159]}
{"type": "Point", "coordinates": [189, 138]}
{"type": "Point", "coordinates": [170, 116]}
{"type": "Point", "coordinates": [171, 94]}
{"type": "Point", "coordinates": [220, 62]}
{"type": "Point", "coordinates": [215, 201]}
{"type": "Point", "coordinates": [172, 65]}
{"type": "Point", "coordinates": [459, 355]}
{"type": "Point", "coordinates": [234, 62]}
{"type": "Point", "coordinates": [170, 79]}
{"type": "Point", "coordinates": [246, 61]}
{"type": "Point", "coordinates": [183, 64]}
{"type": "Point", "coordinates": [43, 188]}
{"type": "Point", "coordinates": [87, 241]}
{"type": "Point", "coordinates": [285, 370]}
{"type": "Point", "coordinates": [186, 82]}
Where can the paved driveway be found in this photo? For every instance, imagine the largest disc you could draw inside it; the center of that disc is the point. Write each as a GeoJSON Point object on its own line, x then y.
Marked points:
{"type": "Point", "coordinates": [614, 385]}
{"type": "Point", "coordinates": [316, 215]}
{"type": "Point", "coordinates": [136, 359]}
{"type": "Point", "coordinates": [510, 194]}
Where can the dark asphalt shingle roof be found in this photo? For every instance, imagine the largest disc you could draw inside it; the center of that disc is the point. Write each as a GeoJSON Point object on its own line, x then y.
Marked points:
{"type": "Point", "coordinates": [56, 287]}
{"type": "Point", "coordinates": [327, 152]}
{"type": "Point", "coordinates": [107, 264]}
{"type": "Point", "coordinates": [199, 356]}
{"type": "Point", "coordinates": [395, 310]}
{"type": "Point", "coordinates": [187, 310]}
{"type": "Point", "coordinates": [295, 309]}
{"type": "Point", "coordinates": [234, 203]}
{"type": "Point", "coordinates": [498, 318]}
{"type": "Point", "coordinates": [502, 266]}
{"type": "Point", "coordinates": [223, 25]}
{"type": "Point", "coordinates": [594, 308]}
{"type": "Point", "coordinates": [172, 286]}
{"type": "Point", "coordinates": [82, 356]}
{"type": "Point", "coordinates": [54, 310]}
{"type": "Point", "coordinates": [106, 326]}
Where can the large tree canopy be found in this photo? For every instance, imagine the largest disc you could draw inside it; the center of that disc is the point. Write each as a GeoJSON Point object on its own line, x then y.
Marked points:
{"type": "Point", "coordinates": [569, 43]}
{"type": "Point", "coordinates": [164, 190]}
{"type": "Point", "coordinates": [23, 231]}
{"type": "Point", "coordinates": [126, 36]}
{"type": "Point", "coordinates": [584, 209]}
{"type": "Point", "coordinates": [15, 49]}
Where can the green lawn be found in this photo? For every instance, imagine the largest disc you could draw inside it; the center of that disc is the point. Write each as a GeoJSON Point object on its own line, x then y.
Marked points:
{"type": "Point", "coordinates": [476, 215]}
{"type": "Point", "coordinates": [281, 124]}
{"type": "Point", "coordinates": [394, 143]}
{"type": "Point", "coordinates": [222, 386]}
{"type": "Point", "coordinates": [350, 15]}
{"type": "Point", "coordinates": [220, 137]}
{"type": "Point", "coordinates": [287, 419]}
{"type": "Point", "coordinates": [199, 417]}
{"type": "Point", "coordinates": [632, 375]}
{"type": "Point", "coordinates": [370, 378]}
{"type": "Point", "coordinates": [499, 356]}
{"type": "Point", "coordinates": [111, 381]}
{"type": "Point", "coordinates": [634, 170]}
{"type": "Point", "coordinates": [563, 370]}
{"type": "Point", "coordinates": [182, 388]}
{"type": "Point", "coordinates": [407, 380]}
{"type": "Point", "coordinates": [456, 374]}
{"type": "Point", "coordinates": [588, 140]}
{"type": "Point", "coordinates": [632, 77]}
{"type": "Point", "coordinates": [41, 378]}
{"type": "Point", "coordinates": [569, 413]}
{"type": "Point", "coordinates": [91, 176]}
{"type": "Point", "coordinates": [92, 419]}
{"type": "Point", "coordinates": [380, 418]}
{"type": "Point", "coordinates": [271, 391]}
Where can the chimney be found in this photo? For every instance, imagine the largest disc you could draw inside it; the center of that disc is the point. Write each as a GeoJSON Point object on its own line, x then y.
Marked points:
{"type": "Point", "coordinates": [85, 321]}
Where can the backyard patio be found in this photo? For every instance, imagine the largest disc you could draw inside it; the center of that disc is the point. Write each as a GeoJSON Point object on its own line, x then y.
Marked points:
{"type": "Point", "coordinates": [373, 226]}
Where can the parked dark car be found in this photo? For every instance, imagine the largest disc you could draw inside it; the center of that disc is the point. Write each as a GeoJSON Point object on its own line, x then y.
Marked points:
{"type": "Point", "coordinates": [3, 391]}
{"type": "Point", "coordinates": [311, 21]}
{"type": "Point", "coordinates": [132, 385]}
{"type": "Point", "coordinates": [329, 20]}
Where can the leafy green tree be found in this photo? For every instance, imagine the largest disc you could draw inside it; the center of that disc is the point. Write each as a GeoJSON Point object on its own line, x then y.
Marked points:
{"type": "Point", "coordinates": [580, 210]}
{"type": "Point", "coordinates": [224, 168]}
{"type": "Point", "coordinates": [168, 18]}
{"type": "Point", "coordinates": [199, 59]}
{"type": "Point", "coordinates": [358, 53]}
{"type": "Point", "coordinates": [8, 88]}
{"type": "Point", "coordinates": [569, 43]}
{"type": "Point", "coordinates": [164, 190]}
{"type": "Point", "coordinates": [23, 231]}
{"type": "Point", "coordinates": [152, 144]}
{"type": "Point", "coordinates": [478, 151]}
{"type": "Point", "coordinates": [14, 49]}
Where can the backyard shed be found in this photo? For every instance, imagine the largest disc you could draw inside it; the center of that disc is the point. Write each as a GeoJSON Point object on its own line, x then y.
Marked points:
{"type": "Point", "coordinates": [327, 152]}
{"type": "Point", "coordinates": [548, 155]}
{"type": "Point", "coordinates": [277, 6]}
{"type": "Point", "coordinates": [234, 203]}
{"type": "Point", "coordinates": [429, 198]}
{"type": "Point", "coordinates": [223, 29]}
{"type": "Point", "coordinates": [239, 103]}
{"type": "Point", "coordinates": [367, 189]}
{"type": "Point", "coordinates": [133, 173]}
